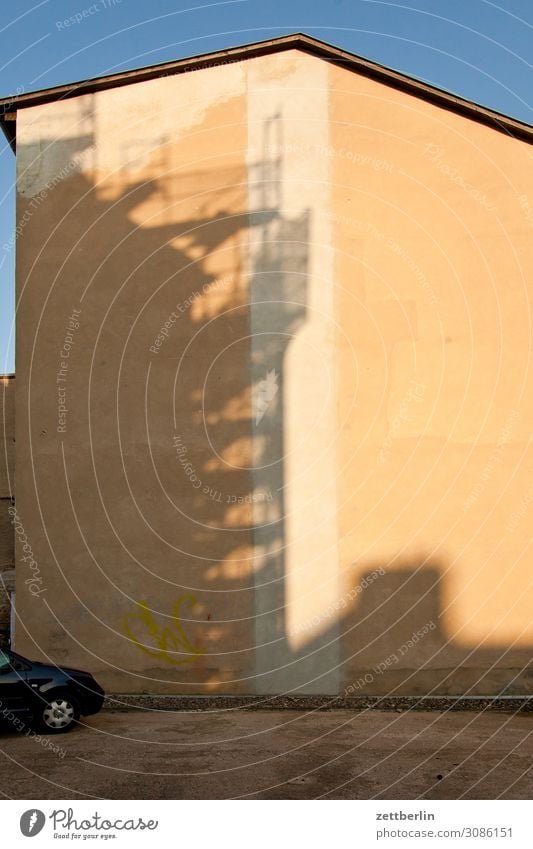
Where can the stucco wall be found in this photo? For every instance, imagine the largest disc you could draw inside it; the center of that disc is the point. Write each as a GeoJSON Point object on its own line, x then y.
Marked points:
{"type": "Point", "coordinates": [433, 265]}
{"type": "Point", "coordinates": [139, 246]}
{"type": "Point", "coordinates": [270, 389]}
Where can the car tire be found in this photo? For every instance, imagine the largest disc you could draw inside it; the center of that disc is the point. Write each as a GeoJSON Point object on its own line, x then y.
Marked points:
{"type": "Point", "coordinates": [59, 713]}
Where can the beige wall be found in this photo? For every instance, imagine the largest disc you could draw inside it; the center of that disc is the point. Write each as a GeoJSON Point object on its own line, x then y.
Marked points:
{"type": "Point", "coordinates": [147, 575]}
{"type": "Point", "coordinates": [338, 390]}
{"type": "Point", "coordinates": [433, 258]}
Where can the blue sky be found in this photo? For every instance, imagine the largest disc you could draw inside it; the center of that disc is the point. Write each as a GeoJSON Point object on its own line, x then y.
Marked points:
{"type": "Point", "coordinates": [476, 48]}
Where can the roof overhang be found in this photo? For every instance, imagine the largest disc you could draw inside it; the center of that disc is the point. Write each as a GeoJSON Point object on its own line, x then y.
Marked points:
{"type": "Point", "coordinates": [297, 41]}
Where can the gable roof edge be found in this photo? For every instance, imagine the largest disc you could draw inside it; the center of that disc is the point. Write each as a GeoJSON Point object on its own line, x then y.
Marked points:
{"type": "Point", "coordinates": [296, 41]}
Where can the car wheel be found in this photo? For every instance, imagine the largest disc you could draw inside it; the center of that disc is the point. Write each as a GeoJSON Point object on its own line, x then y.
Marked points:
{"type": "Point", "coordinates": [59, 714]}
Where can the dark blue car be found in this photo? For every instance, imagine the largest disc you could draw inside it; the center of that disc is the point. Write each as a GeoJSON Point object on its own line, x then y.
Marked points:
{"type": "Point", "coordinates": [51, 697]}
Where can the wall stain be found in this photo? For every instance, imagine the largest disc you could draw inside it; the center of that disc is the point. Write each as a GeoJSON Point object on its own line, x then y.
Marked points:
{"type": "Point", "coordinates": [164, 643]}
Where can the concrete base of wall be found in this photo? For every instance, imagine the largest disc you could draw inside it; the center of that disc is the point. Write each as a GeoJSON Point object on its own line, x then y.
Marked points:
{"type": "Point", "coordinates": [511, 704]}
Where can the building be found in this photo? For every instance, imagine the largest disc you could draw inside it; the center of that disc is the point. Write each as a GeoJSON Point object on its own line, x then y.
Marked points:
{"type": "Point", "coordinates": [273, 379]}
{"type": "Point", "coordinates": [7, 548]}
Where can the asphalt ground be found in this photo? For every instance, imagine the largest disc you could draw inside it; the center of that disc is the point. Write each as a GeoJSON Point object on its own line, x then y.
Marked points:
{"type": "Point", "coordinates": [275, 754]}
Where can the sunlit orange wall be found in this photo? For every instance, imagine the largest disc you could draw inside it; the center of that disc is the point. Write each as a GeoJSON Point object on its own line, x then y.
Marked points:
{"type": "Point", "coordinates": [432, 271]}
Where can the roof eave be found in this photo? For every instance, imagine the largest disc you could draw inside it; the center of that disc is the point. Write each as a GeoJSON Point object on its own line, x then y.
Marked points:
{"type": "Point", "coordinates": [296, 41]}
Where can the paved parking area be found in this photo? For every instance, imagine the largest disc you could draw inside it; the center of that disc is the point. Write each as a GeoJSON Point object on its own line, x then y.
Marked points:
{"type": "Point", "coordinates": [276, 755]}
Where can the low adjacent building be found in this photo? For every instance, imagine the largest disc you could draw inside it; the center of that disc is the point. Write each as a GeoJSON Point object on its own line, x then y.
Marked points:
{"type": "Point", "coordinates": [7, 471]}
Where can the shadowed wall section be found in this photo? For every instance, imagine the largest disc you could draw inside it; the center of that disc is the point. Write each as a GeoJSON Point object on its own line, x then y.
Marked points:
{"type": "Point", "coordinates": [147, 543]}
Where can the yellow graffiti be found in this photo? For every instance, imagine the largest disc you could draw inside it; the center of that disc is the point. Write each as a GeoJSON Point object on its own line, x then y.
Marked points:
{"type": "Point", "coordinates": [164, 643]}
